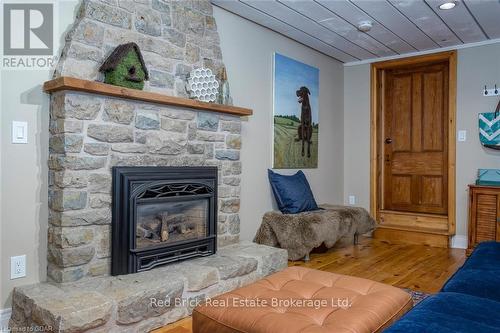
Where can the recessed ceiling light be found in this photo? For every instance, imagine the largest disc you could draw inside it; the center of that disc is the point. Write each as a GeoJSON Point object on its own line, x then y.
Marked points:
{"type": "Point", "coordinates": [365, 26]}
{"type": "Point", "coordinates": [448, 5]}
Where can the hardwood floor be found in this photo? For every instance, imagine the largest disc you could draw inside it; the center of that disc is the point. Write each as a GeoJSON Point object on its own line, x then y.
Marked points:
{"type": "Point", "coordinates": [417, 267]}
{"type": "Point", "coordinates": [182, 326]}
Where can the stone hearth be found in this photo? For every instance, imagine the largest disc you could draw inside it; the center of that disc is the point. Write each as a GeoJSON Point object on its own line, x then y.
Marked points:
{"type": "Point", "coordinates": [143, 301]}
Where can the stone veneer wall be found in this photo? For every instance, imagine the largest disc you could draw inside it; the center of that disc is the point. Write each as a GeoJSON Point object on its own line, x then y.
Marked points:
{"type": "Point", "coordinates": [175, 36]}
{"type": "Point", "coordinates": [89, 133]}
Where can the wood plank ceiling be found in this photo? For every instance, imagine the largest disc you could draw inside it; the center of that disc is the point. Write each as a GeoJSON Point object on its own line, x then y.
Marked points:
{"type": "Point", "coordinates": [399, 26]}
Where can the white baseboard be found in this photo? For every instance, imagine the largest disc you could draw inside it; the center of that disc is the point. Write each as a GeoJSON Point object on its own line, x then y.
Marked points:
{"type": "Point", "coordinates": [4, 319]}
{"type": "Point", "coordinates": [459, 242]}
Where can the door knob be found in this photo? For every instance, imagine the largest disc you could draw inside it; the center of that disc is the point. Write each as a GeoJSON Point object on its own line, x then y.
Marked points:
{"type": "Point", "coordinates": [388, 140]}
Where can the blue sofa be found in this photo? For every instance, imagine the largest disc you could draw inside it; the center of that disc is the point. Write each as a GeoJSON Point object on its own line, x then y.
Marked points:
{"type": "Point", "coordinates": [468, 302]}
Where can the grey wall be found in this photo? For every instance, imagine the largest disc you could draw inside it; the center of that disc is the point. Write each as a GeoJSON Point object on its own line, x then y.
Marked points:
{"type": "Point", "coordinates": [477, 66]}
{"type": "Point", "coordinates": [24, 178]}
{"type": "Point", "coordinates": [23, 168]}
{"type": "Point", "coordinates": [3, 266]}
{"type": "Point", "coordinates": [357, 134]}
{"type": "Point", "coordinates": [248, 52]}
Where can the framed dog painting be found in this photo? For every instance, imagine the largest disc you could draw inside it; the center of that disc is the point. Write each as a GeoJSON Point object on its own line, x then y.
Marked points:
{"type": "Point", "coordinates": [296, 114]}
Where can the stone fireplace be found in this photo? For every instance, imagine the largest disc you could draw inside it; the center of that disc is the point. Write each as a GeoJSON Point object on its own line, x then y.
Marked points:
{"type": "Point", "coordinates": [139, 180]}
{"type": "Point", "coordinates": [91, 134]}
{"type": "Point", "coordinates": [162, 215]}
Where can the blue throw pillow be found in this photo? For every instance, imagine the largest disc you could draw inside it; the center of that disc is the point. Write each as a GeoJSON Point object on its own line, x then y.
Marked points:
{"type": "Point", "coordinates": [292, 193]}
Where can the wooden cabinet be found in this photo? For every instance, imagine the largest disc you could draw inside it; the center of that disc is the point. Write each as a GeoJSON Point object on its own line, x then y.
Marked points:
{"type": "Point", "coordinates": [484, 215]}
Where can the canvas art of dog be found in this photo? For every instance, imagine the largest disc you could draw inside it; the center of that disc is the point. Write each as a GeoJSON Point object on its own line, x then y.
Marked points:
{"type": "Point", "coordinates": [305, 128]}
{"type": "Point", "coordinates": [296, 114]}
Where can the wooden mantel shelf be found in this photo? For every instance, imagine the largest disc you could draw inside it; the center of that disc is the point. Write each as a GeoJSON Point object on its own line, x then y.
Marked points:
{"type": "Point", "coordinates": [99, 88]}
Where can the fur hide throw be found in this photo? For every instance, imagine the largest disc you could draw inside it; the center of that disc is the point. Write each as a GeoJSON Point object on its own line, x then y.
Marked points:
{"type": "Point", "coordinates": [301, 233]}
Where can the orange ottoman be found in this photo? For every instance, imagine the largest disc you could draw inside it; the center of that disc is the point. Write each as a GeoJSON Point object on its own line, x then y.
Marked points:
{"type": "Point", "coordinates": [303, 300]}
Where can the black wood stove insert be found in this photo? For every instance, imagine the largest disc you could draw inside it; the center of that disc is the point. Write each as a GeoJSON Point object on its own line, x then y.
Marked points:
{"type": "Point", "coordinates": [162, 215]}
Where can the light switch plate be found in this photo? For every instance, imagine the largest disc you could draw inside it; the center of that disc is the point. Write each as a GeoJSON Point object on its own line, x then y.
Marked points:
{"type": "Point", "coordinates": [17, 267]}
{"type": "Point", "coordinates": [462, 135]}
{"type": "Point", "coordinates": [19, 132]}
{"type": "Point", "coordinates": [352, 200]}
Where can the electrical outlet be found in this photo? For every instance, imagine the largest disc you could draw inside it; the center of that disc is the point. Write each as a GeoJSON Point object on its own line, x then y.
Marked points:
{"type": "Point", "coordinates": [352, 200]}
{"type": "Point", "coordinates": [17, 267]}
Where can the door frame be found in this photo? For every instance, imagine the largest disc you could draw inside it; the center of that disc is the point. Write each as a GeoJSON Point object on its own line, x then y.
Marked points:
{"type": "Point", "coordinates": [375, 128]}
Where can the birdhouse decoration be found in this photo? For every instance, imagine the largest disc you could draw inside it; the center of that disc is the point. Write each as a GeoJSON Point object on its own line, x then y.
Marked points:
{"type": "Point", "coordinates": [125, 67]}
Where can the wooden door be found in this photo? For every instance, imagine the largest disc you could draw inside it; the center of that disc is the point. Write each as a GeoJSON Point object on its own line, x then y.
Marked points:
{"type": "Point", "coordinates": [414, 139]}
